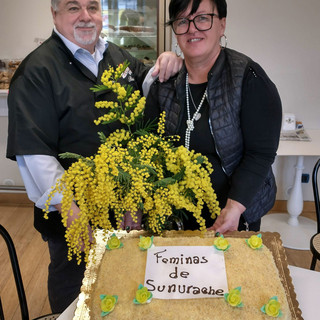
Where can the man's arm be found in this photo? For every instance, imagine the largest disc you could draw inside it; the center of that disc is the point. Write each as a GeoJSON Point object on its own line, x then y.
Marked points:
{"type": "Point", "coordinates": [39, 174]}
{"type": "Point", "coordinates": [167, 65]}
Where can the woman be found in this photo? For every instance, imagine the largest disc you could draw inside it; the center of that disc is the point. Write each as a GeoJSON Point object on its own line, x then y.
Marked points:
{"type": "Point", "coordinates": [223, 105]}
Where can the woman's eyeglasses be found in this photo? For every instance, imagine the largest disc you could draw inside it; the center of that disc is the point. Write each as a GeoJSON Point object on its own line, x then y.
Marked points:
{"type": "Point", "coordinates": [202, 22]}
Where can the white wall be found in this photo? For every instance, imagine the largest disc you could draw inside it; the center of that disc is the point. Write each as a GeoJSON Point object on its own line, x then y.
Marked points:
{"type": "Point", "coordinates": [282, 35]}
{"type": "Point", "coordinates": [22, 23]}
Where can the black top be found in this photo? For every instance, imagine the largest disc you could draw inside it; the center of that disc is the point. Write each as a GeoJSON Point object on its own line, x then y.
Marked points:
{"type": "Point", "coordinates": [202, 141]}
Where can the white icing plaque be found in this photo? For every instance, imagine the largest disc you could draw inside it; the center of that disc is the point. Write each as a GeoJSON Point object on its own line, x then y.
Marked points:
{"type": "Point", "coordinates": [185, 272]}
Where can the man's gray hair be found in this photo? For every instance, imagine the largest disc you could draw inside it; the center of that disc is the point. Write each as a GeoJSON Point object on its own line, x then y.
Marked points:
{"type": "Point", "coordinates": [55, 4]}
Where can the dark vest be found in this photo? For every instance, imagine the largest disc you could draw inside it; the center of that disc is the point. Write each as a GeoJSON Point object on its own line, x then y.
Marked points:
{"type": "Point", "coordinates": [224, 96]}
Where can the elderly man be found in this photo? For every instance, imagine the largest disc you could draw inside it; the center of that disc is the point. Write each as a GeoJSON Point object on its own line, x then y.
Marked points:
{"type": "Point", "coordinates": [51, 111]}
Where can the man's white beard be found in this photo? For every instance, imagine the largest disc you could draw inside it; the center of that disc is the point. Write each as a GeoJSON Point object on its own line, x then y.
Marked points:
{"type": "Point", "coordinates": [81, 37]}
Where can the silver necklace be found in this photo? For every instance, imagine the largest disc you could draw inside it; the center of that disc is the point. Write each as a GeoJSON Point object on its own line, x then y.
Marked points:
{"type": "Point", "coordinates": [196, 116]}
{"type": "Point", "coordinates": [194, 105]}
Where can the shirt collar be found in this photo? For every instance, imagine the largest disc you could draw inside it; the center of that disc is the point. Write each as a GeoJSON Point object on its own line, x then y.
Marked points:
{"type": "Point", "coordinates": [101, 45]}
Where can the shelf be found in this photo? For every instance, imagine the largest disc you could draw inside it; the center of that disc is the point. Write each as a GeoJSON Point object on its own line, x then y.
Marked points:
{"type": "Point", "coordinates": [132, 39]}
{"type": "Point", "coordinates": [127, 34]}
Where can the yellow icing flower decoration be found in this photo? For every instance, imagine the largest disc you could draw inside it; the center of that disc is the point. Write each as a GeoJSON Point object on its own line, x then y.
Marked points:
{"type": "Point", "coordinates": [272, 308]}
{"type": "Point", "coordinates": [234, 297]}
{"type": "Point", "coordinates": [255, 242]}
{"type": "Point", "coordinates": [221, 243]}
{"type": "Point", "coordinates": [143, 295]}
{"type": "Point", "coordinates": [107, 303]}
{"type": "Point", "coordinates": [145, 242]}
{"type": "Point", "coordinates": [114, 243]}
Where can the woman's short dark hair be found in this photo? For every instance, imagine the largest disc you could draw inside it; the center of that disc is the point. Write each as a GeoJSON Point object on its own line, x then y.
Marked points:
{"type": "Point", "coordinates": [178, 6]}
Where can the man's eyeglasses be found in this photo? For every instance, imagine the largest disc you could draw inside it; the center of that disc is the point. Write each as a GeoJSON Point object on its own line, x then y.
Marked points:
{"type": "Point", "coordinates": [202, 22]}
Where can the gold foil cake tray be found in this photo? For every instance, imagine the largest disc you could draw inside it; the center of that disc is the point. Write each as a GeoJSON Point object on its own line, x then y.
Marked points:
{"type": "Point", "coordinates": [270, 239]}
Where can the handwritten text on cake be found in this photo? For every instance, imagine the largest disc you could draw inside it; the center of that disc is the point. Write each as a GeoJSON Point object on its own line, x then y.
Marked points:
{"type": "Point", "coordinates": [185, 272]}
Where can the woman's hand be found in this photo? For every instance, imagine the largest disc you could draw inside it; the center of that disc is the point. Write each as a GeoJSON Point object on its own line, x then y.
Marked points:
{"type": "Point", "coordinates": [167, 65]}
{"type": "Point", "coordinates": [228, 220]}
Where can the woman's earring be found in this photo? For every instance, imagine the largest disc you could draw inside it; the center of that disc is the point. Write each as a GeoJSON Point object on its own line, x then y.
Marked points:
{"type": "Point", "coordinates": [223, 46]}
{"type": "Point", "coordinates": [177, 50]}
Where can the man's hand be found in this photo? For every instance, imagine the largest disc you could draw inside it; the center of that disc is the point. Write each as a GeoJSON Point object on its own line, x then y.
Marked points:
{"type": "Point", "coordinates": [75, 215]}
{"type": "Point", "coordinates": [167, 65]}
{"type": "Point", "coordinates": [228, 220]}
{"type": "Point", "coordinates": [128, 224]}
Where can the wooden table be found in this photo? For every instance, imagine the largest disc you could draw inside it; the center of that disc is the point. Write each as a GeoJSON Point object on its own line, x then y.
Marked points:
{"type": "Point", "coordinates": [295, 231]}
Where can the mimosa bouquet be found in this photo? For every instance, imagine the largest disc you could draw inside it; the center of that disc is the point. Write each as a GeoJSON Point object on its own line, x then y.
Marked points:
{"type": "Point", "coordinates": [134, 170]}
